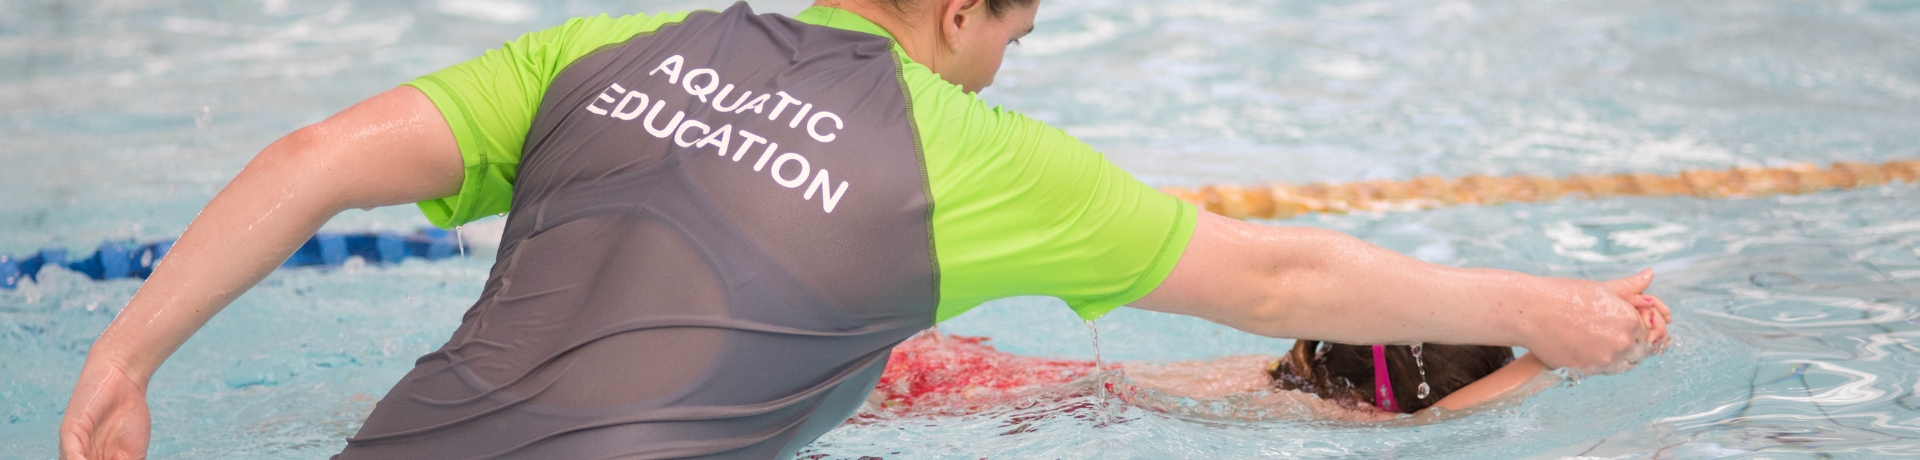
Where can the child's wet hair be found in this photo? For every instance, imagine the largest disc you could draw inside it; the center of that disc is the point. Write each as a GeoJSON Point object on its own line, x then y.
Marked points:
{"type": "Point", "coordinates": [1344, 373]}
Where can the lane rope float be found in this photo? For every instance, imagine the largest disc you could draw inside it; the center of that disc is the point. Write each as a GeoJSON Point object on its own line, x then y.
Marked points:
{"type": "Point", "coordinates": [130, 259]}
{"type": "Point", "coordinates": [1284, 201]}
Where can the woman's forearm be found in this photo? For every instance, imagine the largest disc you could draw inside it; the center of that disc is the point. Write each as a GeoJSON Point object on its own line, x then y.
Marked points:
{"type": "Point", "coordinates": [390, 149]}
{"type": "Point", "coordinates": [246, 231]}
{"type": "Point", "coordinates": [1320, 284]}
{"type": "Point", "coordinates": [1356, 292]}
{"type": "Point", "coordinates": [1352, 291]}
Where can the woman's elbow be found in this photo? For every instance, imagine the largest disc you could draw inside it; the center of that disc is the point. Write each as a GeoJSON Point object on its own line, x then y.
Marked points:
{"type": "Point", "coordinates": [1296, 269]}
{"type": "Point", "coordinates": [1278, 308]}
{"type": "Point", "coordinates": [1255, 278]}
{"type": "Point", "coordinates": [297, 168]}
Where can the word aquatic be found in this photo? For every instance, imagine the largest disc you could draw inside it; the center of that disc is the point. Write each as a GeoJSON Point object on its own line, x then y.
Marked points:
{"type": "Point", "coordinates": [789, 169]}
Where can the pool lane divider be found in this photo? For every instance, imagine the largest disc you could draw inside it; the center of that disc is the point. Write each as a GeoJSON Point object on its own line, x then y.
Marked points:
{"type": "Point", "coordinates": [130, 259]}
{"type": "Point", "coordinates": [1284, 201]}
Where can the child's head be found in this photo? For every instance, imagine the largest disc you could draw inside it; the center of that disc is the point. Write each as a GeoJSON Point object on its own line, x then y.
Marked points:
{"type": "Point", "coordinates": [1341, 372]}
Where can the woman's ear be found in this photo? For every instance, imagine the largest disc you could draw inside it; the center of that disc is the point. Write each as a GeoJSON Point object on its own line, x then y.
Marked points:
{"type": "Point", "coordinates": [956, 16]}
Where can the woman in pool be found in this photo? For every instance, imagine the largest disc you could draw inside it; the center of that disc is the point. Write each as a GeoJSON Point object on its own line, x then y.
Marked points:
{"type": "Point", "coordinates": [939, 373]}
{"type": "Point", "coordinates": [721, 221]}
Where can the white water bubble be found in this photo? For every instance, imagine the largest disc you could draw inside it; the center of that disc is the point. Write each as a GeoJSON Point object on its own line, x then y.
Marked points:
{"type": "Point", "coordinates": [500, 11]}
{"type": "Point", "coordinates": [1616, 238]}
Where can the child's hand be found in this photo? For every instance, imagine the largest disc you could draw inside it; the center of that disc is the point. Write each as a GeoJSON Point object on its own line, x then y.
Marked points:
{"type": "Point", "coordinates": [1653, 313]}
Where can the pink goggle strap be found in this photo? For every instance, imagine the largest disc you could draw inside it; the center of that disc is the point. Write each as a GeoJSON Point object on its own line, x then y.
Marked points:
{"type": "Point", "coordinates": [1382, 385]}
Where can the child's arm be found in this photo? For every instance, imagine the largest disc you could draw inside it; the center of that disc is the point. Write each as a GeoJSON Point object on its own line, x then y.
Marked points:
{"type": "Point", "coordinates": [1515, 375]}
{"type": "Point", "coordinates": [1500, 383]}
{"type": "Point", "coordinates": [1204, 379]}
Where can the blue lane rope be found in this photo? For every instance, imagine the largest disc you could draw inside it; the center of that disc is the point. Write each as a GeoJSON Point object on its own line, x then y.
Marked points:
{"type": "Point", "coordinates": [130, 259]}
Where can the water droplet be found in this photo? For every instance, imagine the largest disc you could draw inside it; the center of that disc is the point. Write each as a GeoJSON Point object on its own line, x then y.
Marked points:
{"type": "Point", "coordinates": [1096, 345]}
{"type": "Point", "coordinates": [1421, 363]}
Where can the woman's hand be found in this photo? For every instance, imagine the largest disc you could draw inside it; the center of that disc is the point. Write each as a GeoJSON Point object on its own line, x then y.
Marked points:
{"type": "Point", "coordinates": [1605, 327]}
{"type": "Point", "coordinates": [1653, 313]}
{"type": "Point", "coordinates": [107, 418]}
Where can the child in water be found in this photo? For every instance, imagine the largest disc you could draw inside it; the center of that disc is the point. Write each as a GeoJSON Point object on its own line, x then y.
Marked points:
{"type": "Point", "coordinates": [936, 373]}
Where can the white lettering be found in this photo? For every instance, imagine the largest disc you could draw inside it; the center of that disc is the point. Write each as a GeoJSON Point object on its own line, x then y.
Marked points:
{"type": "Point", "coordinates": [620, 112]}
{"type": "Point", "coordinates": [677, 135]}
{"type": "Point", "coordinates": [662, 132]}
{"type": "Point", "coordinates": [750, 139]}
{"type": "Point", "coordinates": [813, 125]}
{"type": "Point", "coordinates": [706, 85]}
{"type": "Point", "coordinates": [827, 199]}
{"type": "Point", "coordinates": [798, 115]}
{"type": "Point", "coordinates": [785, 158]}
{"type": "Point", "coordinates": [764, 155]}
{"type": "Point", "coordinates": [603, 97]}
{"type": "Point", "coordinates": [722, 137]}
{"type": "Point", "coordinates": [701, 92]}
{"type": "Point", "coordinates": [759, 104]}
{"type": "Point", "coordinates": [784, 100]}
{"type": "Point", "coordinates": [672, 67]}
{"type": "Point", "coordinates": [723, 96]}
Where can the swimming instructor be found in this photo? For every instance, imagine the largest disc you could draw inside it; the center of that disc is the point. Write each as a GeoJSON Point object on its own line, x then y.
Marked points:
{"type": "Point", "coordinates": [722, 221]}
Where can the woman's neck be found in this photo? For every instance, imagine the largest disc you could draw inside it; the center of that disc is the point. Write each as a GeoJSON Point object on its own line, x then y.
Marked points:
{"type": "Point", "coordinates": [920, 43]}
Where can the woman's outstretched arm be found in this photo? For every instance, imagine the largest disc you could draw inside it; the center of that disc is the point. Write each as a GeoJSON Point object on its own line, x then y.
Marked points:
{"type": "Point", "coordinates": [1324, 285]}
{"type": "Point", "coordinates": [393, 148]}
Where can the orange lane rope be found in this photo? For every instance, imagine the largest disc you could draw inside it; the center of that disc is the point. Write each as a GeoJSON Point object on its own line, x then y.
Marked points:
{"type": "Point", "coordinates": [1282, 201]}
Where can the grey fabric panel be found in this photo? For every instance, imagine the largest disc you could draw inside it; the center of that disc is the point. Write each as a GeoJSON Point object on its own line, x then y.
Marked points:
{"type": "Point", "coordinates": [658, 301]}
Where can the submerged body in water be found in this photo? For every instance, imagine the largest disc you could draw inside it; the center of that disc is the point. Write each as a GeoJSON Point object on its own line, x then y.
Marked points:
{"type": "Point", "coordinates": [934, 373]}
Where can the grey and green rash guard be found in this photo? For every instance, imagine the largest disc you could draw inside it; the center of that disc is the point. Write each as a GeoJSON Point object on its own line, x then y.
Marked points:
{"type": "Point", "coordinates": [721, 224]}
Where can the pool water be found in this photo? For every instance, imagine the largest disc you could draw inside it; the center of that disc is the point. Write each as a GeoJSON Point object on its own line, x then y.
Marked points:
{"type": "Point", "coordinates": [1796, 317]}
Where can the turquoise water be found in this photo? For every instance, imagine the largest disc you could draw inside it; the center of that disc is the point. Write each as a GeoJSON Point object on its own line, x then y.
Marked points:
{"type": "Point", "coordinates": [1795, 316]}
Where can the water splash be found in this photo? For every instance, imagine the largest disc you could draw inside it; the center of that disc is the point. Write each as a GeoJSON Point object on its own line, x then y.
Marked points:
{"type": "Point", "coordinates": [1106, 383]}
{"type": "Point", "coordinates": [1095, 330]}
{"type": "Point", "coordinates": [1421, 363]}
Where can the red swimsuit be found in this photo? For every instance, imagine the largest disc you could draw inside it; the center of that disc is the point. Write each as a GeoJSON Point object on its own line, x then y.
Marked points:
{"type": "Point", "coordinates": [934, 369]}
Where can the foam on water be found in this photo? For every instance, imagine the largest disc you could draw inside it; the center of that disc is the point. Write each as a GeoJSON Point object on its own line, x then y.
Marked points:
{"type": "Point", "coordinates": [1796, 317]}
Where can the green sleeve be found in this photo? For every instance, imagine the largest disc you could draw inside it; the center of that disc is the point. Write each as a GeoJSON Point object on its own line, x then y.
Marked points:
{"type": "Point", "coordinates": [490, 102]}
{"type": "Point", "coordinates": [1022, 208]}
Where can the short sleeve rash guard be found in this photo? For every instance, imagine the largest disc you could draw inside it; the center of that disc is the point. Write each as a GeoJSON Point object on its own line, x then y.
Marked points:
{"type": "Point", "coordinates": [1016, 207]}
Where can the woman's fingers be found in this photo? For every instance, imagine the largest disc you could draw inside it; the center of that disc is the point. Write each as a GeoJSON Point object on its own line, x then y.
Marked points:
{"type": "Point", "coordinates": [107, 417]}
{"type": "Point", "coordinates": [1652, 304]}
{"type": "Point", "coordinates": [73, 441]}
{"type": "Point", "coordinates": [1666, 314]}
{"type": "Point", "coordinates": [1632, 285]}
{"type": "Point", "coordinates": [1632, 290]}
{"type": "Point", "coordinates": [1656, 324]}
